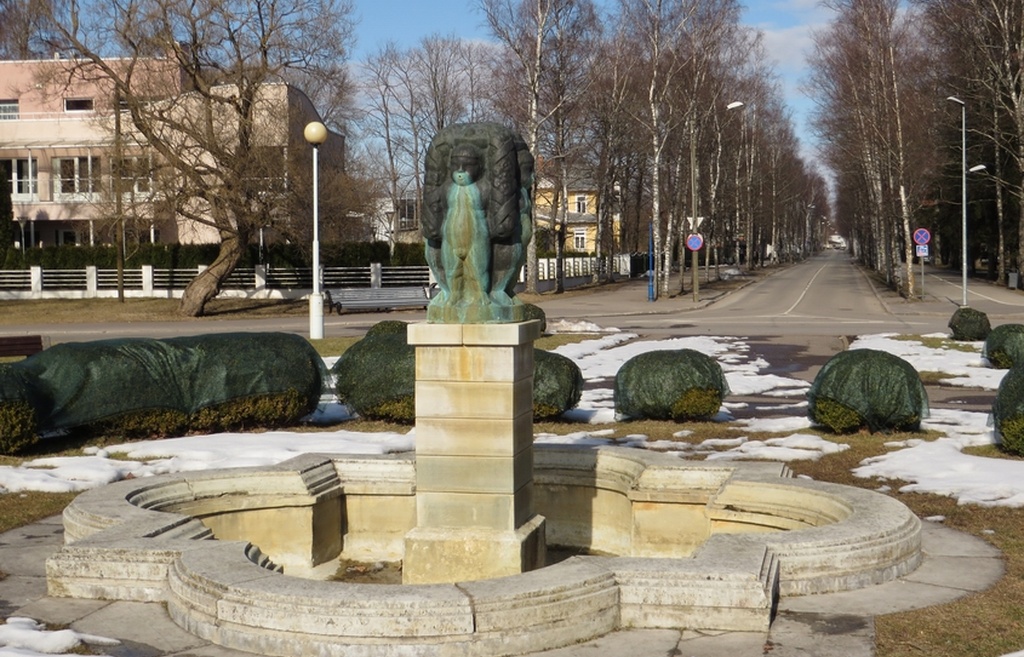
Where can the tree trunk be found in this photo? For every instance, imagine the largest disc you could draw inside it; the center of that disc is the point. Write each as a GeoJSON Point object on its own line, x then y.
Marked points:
{"type": "Point", "coordinates": [207, 284]}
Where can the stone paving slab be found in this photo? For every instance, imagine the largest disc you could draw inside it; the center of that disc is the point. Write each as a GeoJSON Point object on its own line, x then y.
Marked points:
{"type": "Point", "coordinates": [737, 644]}
{"type": "Point", "coordinates": [955, 564]}
{"type": "Point", "coordinates": [626, 642]}
{"type": "Point", "coordinates": [140, 624]}
{"type": "Point", "coordinates": [17, 591]}
{"type": "Point", "coordinates": [799, 634]}
{"type": "Point", "coordinates": [61, 611]}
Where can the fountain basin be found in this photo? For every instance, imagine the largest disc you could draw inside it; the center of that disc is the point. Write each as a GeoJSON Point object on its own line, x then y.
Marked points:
{"type": "Point", "coordinates": [674, 544]}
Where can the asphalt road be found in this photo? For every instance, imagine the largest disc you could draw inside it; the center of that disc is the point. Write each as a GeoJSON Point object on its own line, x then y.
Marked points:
{"type": "Point", "coordinates": [825, 296]}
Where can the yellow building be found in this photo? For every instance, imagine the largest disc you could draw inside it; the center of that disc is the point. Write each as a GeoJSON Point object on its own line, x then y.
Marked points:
{"type": "Point", "coordinates": [581, 216]}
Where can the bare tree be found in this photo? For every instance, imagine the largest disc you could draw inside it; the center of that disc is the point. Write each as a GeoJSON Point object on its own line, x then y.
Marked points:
{"type": "Point", "coordinates": [410, 95]}
{"type": "Point", "coordinates": [229, 54]}
{"type": "Point", "coordinates": [528, 31]}
{"type": "Point", "coordinates": [875, 115]}
{"type": "Point", "coordinates": [981, 46]}
{"type": "Point", "coordinates": [23, 31]}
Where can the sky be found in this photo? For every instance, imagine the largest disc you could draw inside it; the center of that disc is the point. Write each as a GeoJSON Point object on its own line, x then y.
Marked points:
{"type": "Point", "coordinates": [786, 25]}
{"type": "Point", "coordinates": [937, 466]}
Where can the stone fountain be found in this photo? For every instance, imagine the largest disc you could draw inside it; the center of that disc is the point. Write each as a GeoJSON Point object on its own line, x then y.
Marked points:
{"type": "Point", "coordinates": [659, 542]}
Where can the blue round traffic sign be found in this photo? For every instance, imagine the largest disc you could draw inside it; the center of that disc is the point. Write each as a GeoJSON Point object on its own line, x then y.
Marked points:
{"type": "Point", "coordinates": [694, 242]}
{"type": "Point", "coordinates": [922, 236]}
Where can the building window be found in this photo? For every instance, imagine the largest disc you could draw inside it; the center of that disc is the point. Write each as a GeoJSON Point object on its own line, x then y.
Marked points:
{"type": "Point", "coordinates": [78, 105]}
{"type": "Point", "coordinates": [9, 109]}
{"type": "Point", "coordinates": [77, 177]}
{"type": "Point", "coordinates": [136, 176]}
{"type": "Point", "coordinates": [407, 215]}
{"type": "Point", "coordinates": [23, 174]}
{"type": "Point", "coordinates": [581, 203]}
{"type": "Point", "coordinates": [579, 239]}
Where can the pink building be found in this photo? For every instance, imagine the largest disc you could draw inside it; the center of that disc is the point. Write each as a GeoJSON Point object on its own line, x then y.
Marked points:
{"type": "Point", "coordinates": [59, 143]}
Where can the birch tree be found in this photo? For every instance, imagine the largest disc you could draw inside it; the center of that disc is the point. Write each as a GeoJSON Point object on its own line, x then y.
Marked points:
{"type": "Point", "coordinates": [528, 31]}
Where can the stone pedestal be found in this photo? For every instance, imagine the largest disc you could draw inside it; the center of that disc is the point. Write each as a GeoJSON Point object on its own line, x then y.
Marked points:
{"type": "Point", "coordinates": [474, 454]}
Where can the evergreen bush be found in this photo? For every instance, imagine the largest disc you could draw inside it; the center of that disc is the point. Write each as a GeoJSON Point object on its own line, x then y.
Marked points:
{"type": "Point", "coordinates": [867, 388]}
{"type": "Point", "coordinates": [18, 401]}
{"type": "Point", "coordinates": [145, 387]}
{"type": "Point", "coordinates": [17, 426]}
{"type": "Point", "coordinates": [376, 377]}
{"type": "Point", "coordinates": [675, 385]}
{"type": "Point", "coordinates": [189, 256]}
{"type": "Point", "coordinates": [557, 384]}
{"type": "Point", "coordinates": [969, 325]}
{"type": "Point", "coordinates": [1008, 411]}
{"type": "Point", "coordinates": [408, 255]}
{"type": "Point", "coordinates": [1004, 346]}
{"type": "Point", "coordinates": [533, 311]}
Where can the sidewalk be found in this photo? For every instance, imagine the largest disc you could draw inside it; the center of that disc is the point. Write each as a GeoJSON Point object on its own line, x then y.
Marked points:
{"type": "Point", "coordinates": [832, 625]}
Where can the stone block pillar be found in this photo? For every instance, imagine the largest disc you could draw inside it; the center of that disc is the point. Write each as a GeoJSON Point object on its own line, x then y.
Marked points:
{"type": "Point", "coordinates": [474, 454]}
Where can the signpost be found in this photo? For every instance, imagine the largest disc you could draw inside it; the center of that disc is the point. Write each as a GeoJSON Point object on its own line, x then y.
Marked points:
{"type": "Point", "coordinates": [921, 239]}
{"type": "Point", "coordinates": [693, 242]}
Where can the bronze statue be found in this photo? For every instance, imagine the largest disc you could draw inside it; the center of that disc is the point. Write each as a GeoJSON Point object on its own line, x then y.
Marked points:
{"type": "Point", "coordinates": [477, 221]}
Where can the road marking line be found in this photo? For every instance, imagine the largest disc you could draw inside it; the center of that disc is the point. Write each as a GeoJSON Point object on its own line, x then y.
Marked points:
{"type": "Point", "coordinates": [804, 293]}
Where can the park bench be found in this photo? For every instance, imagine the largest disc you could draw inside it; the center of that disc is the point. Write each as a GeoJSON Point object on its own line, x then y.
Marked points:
{"type": "Point", "coordinates": [20, 345]}
{"type": "Point", "coordinates": [376, 297]}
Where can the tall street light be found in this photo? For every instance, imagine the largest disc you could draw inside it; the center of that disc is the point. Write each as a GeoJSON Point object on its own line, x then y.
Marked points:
{"type": "Point", "coordinates": [738, 104]}
{"type": "Point", "coordinates": [316, 134]}
{"type": "Point", "coordinates": [963, 195]}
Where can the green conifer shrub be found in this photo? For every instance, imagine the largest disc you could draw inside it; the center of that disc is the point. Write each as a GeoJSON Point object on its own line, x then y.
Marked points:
{"type": "Point", "coordinates": [969, 325]}
{"type": "Point", "coordinates": [1008, 411]}
{"type": "Point", "coordinates": [1004, 346]}
{"type": "Point", "coordinates": [678, 385]}
{"type": "Point", "coordinates": [867, 388]}
{"type": "Point", "coordinates": [557, 384]}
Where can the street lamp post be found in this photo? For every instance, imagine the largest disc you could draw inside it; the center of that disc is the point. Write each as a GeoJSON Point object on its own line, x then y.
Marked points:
{"type": "Point", "coordinates": [738, 104]}
{"type": "Point", "coordinates": [316, 134]}
{"type": "Point", "coordinates": [963, 196]}
{"type": "Point", "coordinates": [694, 222]}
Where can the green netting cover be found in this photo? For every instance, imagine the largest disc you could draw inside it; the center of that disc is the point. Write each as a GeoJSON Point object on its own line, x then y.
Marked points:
{"type": "Point", "coordinates": [968, 324]}
{"type": "Point", "coordinates": [1008, 410]}
{"type": "Point", "coordinates": [670, 385]}
{"type": "Point", "coordinates": [19, 385]}
{"type": "Point", "coordinates": [88, 382]}
{"type": "Point", "coordinates": [376, 377]}
{"type": "Point", "coordinates": [884, 391]}
{"type": "Point", "coordinates": [557, 384]}
{"type": "Point", "coordinates": [1004, 346]}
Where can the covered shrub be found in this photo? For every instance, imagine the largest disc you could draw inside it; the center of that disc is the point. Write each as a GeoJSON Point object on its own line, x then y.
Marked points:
{"type": "Point", "coordinates": [675, 385]}
{"type": "Point", "coordinates": [533, 311]}
{"type": "Point", "coordinates": [867, 388]}
{"type": "Point", "coordinates": [19, 398]}
{"type": "Point", "coordinates": [147, 387]}
{"type": "Point", "coordinates": [1008, 411]}
{"type": "Point", "coordinates": [1004, 346]}
{"type": "Point", "coordinates": [557, 384]}
{"type": "Point", "coordinates": [376, 377]}
{"type": "Point", "coordinates": [969, 325]}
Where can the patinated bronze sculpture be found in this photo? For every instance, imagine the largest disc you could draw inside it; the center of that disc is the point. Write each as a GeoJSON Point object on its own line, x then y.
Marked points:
{"type": "Point", "coordinates": [477, 221]}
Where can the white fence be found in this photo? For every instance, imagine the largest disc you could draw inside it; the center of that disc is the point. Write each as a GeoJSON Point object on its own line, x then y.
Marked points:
{"type": "Point", "coordinates": [256, 282]}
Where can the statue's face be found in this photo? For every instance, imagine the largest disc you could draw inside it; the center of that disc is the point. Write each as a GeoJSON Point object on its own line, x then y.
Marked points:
{"type": "Point", "coordinates": [465, 168]}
